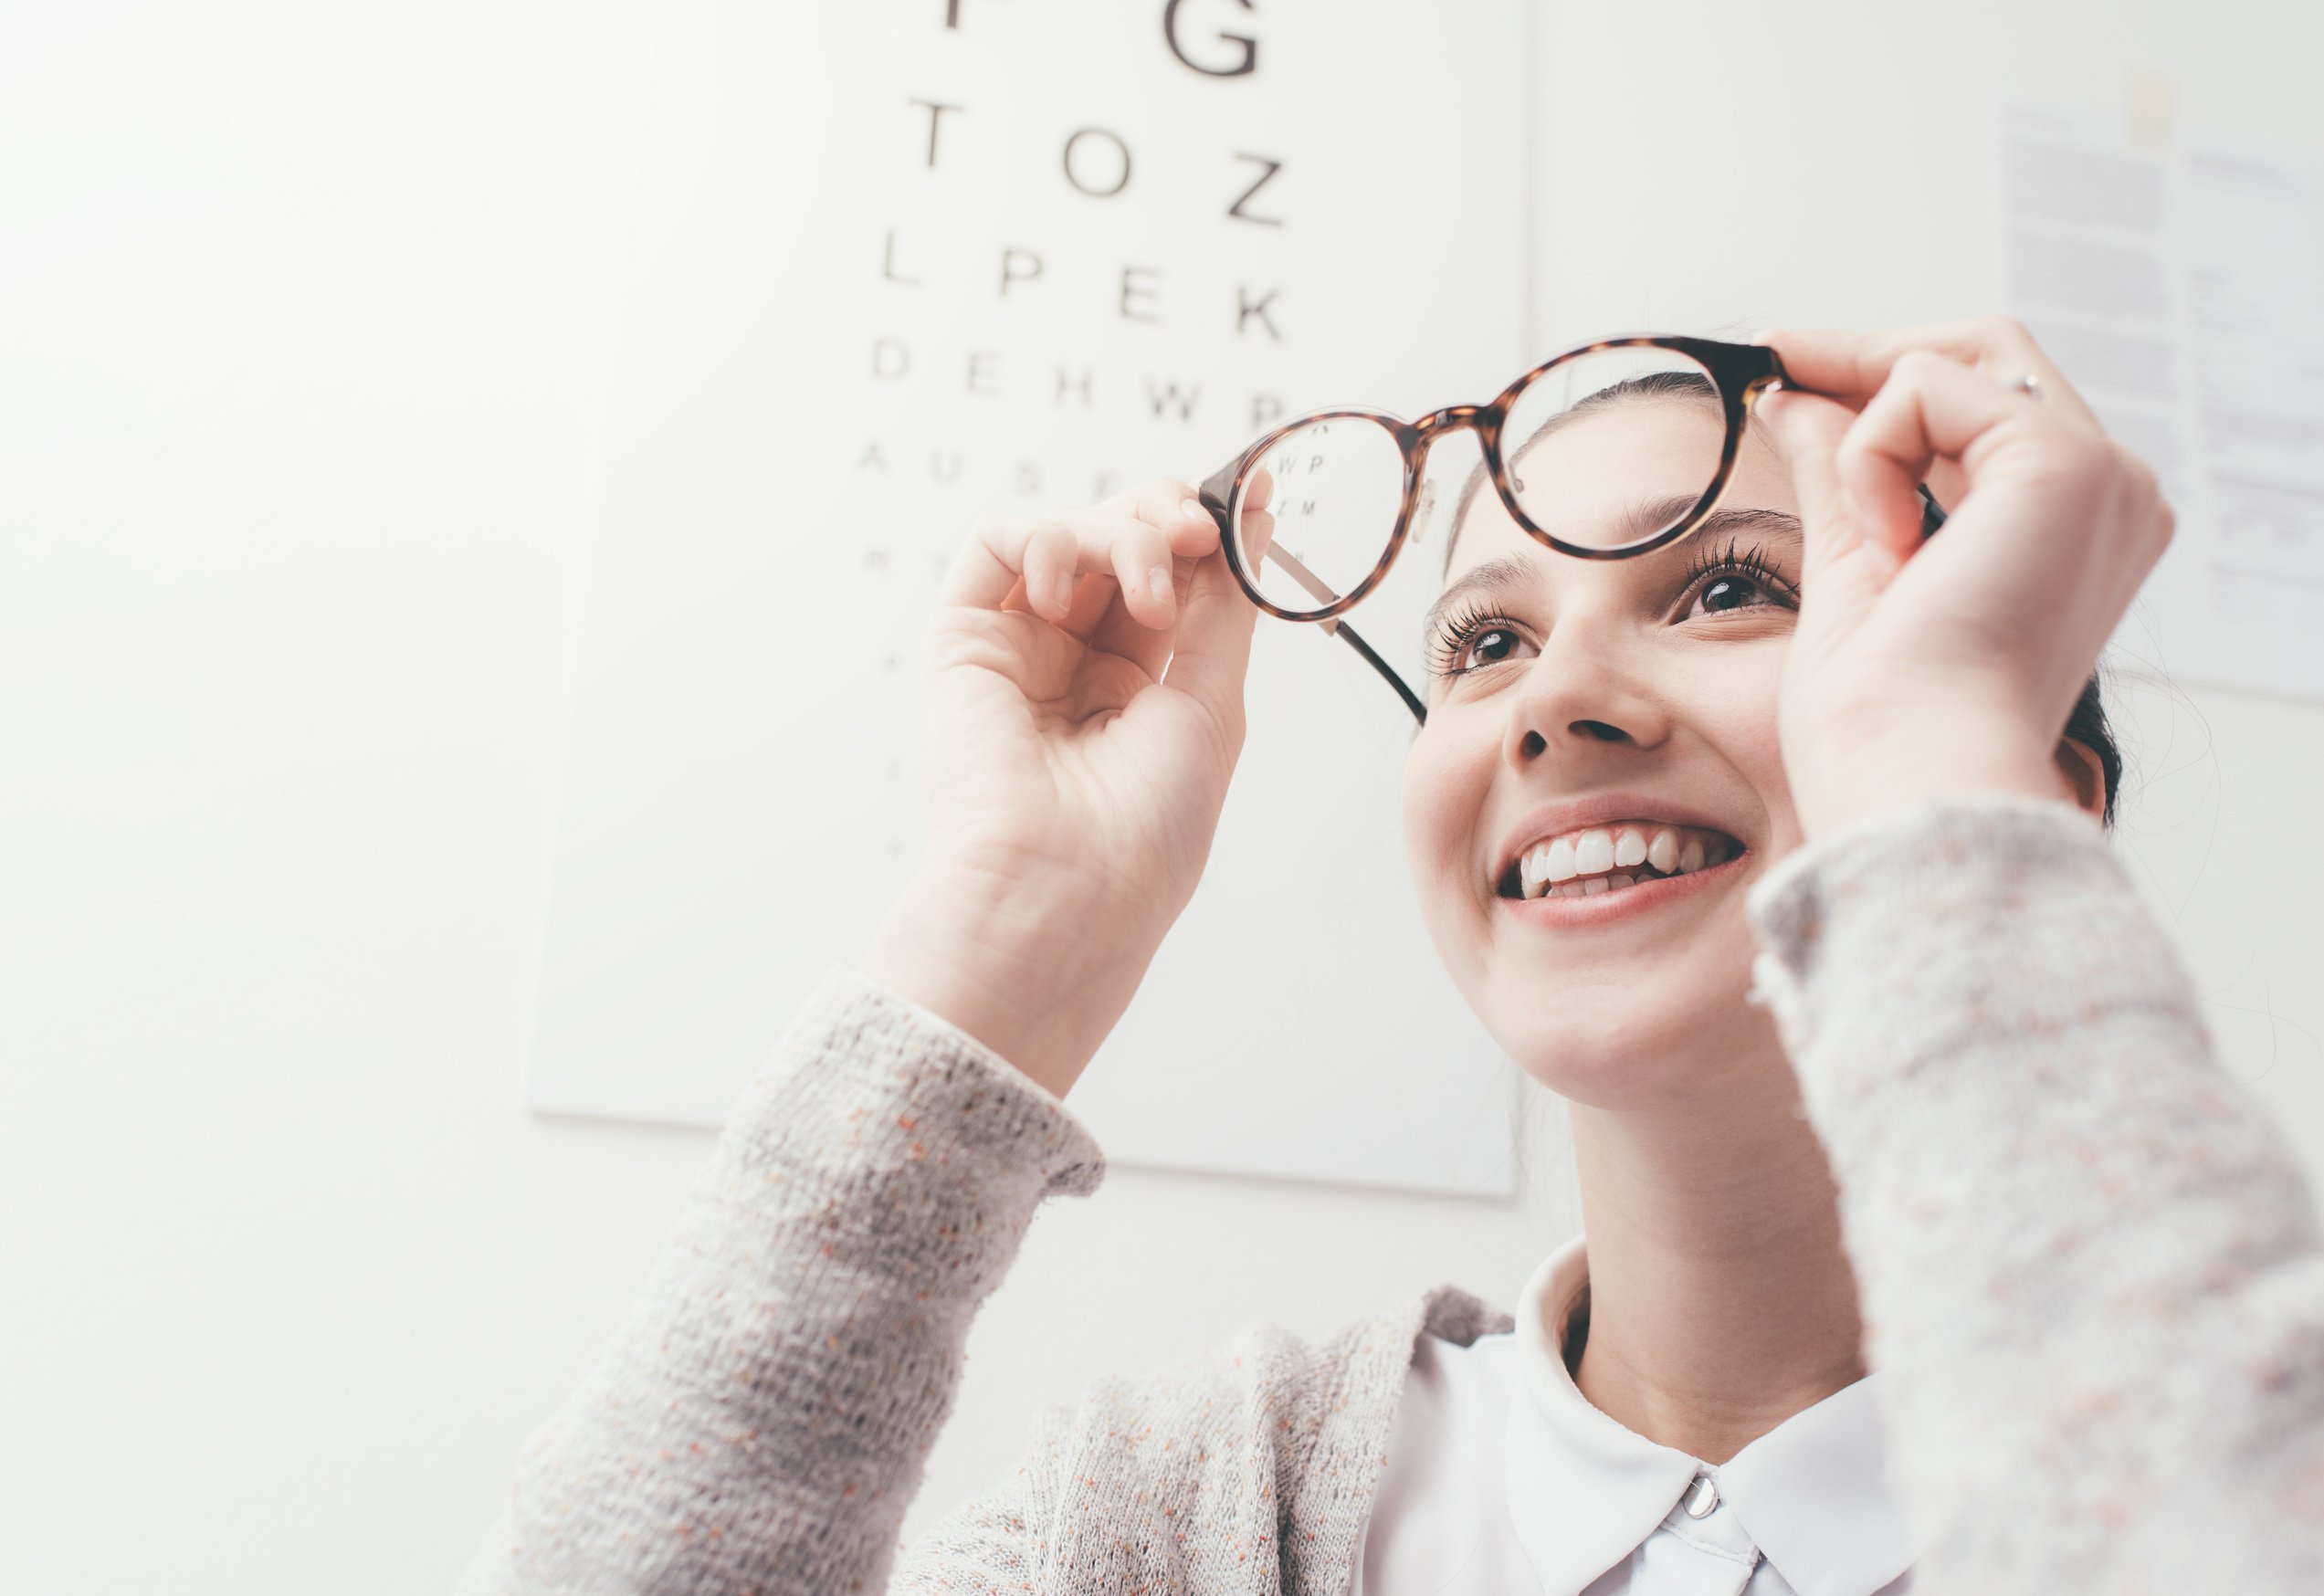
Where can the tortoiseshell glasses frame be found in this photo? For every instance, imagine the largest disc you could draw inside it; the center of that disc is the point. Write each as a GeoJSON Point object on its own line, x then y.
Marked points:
{"type": "Point", "coordinates": [1739, 372]}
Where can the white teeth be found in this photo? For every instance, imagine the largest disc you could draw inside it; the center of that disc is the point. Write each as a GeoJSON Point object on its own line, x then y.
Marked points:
{"type": "Point", "coordinates": [1608, 858]}
{"type": "Point", "coordinates": [1558, 863]}
{"type": "Point", "coordinates": [1663, 852]}
{"type": "Point", "coordinates": [1593, 852]}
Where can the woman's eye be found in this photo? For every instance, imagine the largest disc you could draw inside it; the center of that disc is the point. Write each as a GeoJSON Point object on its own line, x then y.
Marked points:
{"type": "Point", "coordinates": [1733, 590]}
{"type": "Point", "coordinates": [1489, 647]}
{"type": "Point", "coordinates": [1486, 646]}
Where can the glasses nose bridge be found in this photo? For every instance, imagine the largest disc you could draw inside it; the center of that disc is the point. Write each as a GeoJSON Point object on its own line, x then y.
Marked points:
{"type": "Point", "coordinates": [1451, 419]}
{"type": "Point", "coordinates": [1436, 425]}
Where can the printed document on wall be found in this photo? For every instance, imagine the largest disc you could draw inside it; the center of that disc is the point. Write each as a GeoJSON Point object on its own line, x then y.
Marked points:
{"type": "Point", "coordinates": [2182, 289]}
{"type": "Point", "coordinates": [897, 266]}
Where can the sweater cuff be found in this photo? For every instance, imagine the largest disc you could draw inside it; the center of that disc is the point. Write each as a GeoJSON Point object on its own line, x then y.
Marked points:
{"type": "Point", "coordinates": [900, 1086]}
{"type": "Point", "coordinates": [1926, 918]}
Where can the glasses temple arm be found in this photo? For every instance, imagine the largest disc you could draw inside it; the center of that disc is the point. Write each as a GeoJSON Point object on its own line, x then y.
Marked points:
{"type": "Point", "coordinates": [1347, 635]}
{"type": "Point", "coordinates": [1932, 517]}
{"type": "Point", "coordinates": [1215, 493]}
{"type": "Point", "coordinates": [1323, 592]}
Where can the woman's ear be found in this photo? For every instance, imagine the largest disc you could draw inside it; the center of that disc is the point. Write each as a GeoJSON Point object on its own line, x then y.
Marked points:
{"type": "Point", "coordinates": [2084, 776]}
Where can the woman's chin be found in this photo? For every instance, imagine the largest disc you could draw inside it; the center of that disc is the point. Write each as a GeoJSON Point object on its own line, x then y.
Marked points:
{"type": "Point", "coordinates": [1647, 1052]}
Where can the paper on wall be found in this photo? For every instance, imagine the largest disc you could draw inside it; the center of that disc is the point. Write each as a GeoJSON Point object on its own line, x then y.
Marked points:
{"type": "Point", "coordinates": [2182, 291]}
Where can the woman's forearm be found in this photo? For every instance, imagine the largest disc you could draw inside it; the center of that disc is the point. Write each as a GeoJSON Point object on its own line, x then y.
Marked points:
{"type": "Point", "coordinates": [762, 1420]}
{"type": "Point", "coordinates": [2090, 1271]}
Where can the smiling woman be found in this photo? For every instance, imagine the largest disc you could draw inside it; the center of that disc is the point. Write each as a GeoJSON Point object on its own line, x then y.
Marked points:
{"type": "Point", "coordinates": [1639, 698]}
{"type": "Point", "coordinates": [1773, 849]}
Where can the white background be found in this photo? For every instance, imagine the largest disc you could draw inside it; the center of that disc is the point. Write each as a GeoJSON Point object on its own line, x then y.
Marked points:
{"type": "Point", "coordinates": [302, 317]}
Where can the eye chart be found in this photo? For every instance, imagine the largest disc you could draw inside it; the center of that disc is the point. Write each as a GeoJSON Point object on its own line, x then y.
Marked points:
{"type": "Point", "coordinates": [901, 265]}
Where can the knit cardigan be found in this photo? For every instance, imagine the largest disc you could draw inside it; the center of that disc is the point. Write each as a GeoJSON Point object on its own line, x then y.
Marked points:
{"type": "Point", "coordinates": [2090, 1278]}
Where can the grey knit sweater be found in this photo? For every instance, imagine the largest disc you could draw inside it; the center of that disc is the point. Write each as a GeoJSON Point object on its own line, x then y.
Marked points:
{"type": "Point", "coordinates": [2090, 1275]}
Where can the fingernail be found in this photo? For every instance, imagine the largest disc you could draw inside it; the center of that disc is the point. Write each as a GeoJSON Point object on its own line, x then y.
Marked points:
{"type": "Point", "coordinates": [1061, 591]}
{"type": "Point", "coordinates": [1191, 509]}
{"type": "Point", "coordinates": [1157, 583]}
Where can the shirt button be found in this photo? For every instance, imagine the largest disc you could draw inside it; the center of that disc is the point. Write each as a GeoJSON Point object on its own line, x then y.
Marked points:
{"type": "Point", "coordinates": [1702, 1496]}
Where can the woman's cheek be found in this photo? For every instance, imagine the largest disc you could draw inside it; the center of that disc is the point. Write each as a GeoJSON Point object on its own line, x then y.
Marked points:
{"type": "Point", "coordinates": [1746, 731]}
{"type": "Point", "coordinates": [1444, 804]}
{"type": "Point", "coordinates": [1421, 799]}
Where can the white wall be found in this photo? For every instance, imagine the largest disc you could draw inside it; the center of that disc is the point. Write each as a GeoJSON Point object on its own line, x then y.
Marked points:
{"type": "Point", "coordinates": [302, 319]}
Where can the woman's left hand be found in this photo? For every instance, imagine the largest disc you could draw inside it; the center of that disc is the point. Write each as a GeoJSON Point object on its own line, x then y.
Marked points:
{"type": "Point", "coordinates": [1949, 668]}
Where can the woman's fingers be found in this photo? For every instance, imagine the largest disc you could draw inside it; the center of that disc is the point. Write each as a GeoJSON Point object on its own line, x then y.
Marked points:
{"type": "Point", "coordinates": [1930, 407]}
{"type": "Point", "coordinates": [1048, 562]}
{"type": "Point", "coordinates": [1851, 367]}
{"type": "Point", "coordinates": [1808, 429]}
{"type": "Point", "coordinates": [1214, 643]}
{"type": "Point", "coordinates": [1117, 631]}
{"type": "Point", "coordinates": [1100, 543]}
{"type": "Point", "coordinates": [1097, 602]}
{"type": "Point", "coordinates": [1257, 530]}
{"type": "Point", "coordinates": [1038, 564]}
{"type": "Point", "coordinates": [1171, 505]}
{"type": "Point", "coordinates": [1858, 472]}
{"type": "Point", "coordinates": [1139, 575]}
{"type": "Point", "coordinates": [1151, 650]}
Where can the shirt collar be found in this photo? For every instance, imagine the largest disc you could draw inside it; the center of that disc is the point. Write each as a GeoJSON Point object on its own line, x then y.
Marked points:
{"type": "Point", "coordinates": [1813, 1494]}
{"type": "Point", "coordinates": [1584, 1492]}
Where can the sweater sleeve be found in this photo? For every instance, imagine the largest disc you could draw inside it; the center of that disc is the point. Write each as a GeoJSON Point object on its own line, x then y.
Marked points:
{"type": "Point", "coordinates": [763, 1417]}
{"type": "Point", "coordinates": [2089, 1269]}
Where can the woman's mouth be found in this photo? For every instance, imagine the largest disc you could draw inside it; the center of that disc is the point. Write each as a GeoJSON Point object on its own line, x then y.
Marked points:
{"type": "Point", "coordinates": [1614, 858]}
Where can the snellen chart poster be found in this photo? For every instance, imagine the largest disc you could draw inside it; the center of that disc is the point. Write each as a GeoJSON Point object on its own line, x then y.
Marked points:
{"type": "Point", "coordinates": [893, 267]}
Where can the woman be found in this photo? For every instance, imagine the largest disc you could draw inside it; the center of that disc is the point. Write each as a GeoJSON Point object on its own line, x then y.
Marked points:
{"type": "Point", "coordinates": [1989, 1035]}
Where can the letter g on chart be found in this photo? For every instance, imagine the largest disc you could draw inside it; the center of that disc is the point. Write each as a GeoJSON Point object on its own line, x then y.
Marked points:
{"type": "Point", "coordinates": [1242, 67]}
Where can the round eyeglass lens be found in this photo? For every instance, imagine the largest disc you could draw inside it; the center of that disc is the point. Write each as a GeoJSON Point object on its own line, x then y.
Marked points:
{"type": "Point", "coordinates": [1609, 448]}
{"type": "Point", "coordinates": [1313, 516]}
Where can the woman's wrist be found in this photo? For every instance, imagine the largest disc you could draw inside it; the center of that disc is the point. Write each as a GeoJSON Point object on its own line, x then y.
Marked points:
{"type": "Point", "coordinates": [1845, 780]}
{"type": "Point", "coordinates": [1013, 964]}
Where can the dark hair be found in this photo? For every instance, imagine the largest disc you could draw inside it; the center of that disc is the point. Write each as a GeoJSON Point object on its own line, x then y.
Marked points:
{"type": "Point", "coordinates": [2088, 724]}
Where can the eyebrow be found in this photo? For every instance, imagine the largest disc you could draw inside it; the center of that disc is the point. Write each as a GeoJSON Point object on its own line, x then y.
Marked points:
{"type": "Point", "coordinates": [1496, 577]}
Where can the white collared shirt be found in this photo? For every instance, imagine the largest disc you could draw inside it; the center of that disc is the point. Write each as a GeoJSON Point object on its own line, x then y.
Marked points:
{"type": "Point", "coordinates": [1502, 1480]}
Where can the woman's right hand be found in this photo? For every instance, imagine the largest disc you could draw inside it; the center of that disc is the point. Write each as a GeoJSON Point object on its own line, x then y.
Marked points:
{"type": "Point", "coordinates": [1082, 713]}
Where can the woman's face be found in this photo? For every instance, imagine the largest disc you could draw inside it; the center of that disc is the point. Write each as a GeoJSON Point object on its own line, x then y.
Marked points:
{"type": "Point", "coordinates": [1583, 710]}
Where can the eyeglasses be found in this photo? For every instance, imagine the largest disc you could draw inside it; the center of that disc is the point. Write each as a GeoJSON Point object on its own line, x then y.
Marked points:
{"type": "Point", "coordinates": [1313, 514]}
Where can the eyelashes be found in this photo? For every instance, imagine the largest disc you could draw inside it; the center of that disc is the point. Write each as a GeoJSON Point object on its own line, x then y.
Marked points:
{"type": "Point", "coordinates": [1454, 633]}
{"type": "Point", "coordinates": [1735, 560]}
{"type": "Point", "coordinates": [1706, 566]}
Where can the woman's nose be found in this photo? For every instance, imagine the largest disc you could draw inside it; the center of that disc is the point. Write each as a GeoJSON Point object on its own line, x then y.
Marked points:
{"type": "Point", "coordinates": [1581, 696]}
